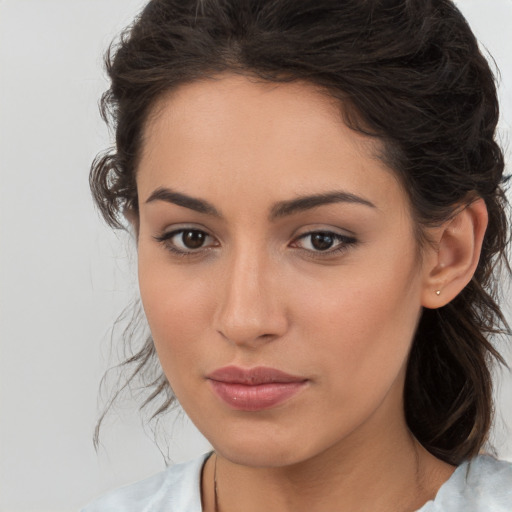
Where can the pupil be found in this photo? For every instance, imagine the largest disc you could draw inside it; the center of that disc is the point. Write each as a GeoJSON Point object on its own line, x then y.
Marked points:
{"type": "Point", "coordinates": [193, 239]}
{"type": "Point", "coordinates": [322, 241]}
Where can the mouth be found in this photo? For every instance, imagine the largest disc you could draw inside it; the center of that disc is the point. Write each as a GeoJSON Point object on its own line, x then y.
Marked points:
{"type": "Point", "coordinates": [254, 389]}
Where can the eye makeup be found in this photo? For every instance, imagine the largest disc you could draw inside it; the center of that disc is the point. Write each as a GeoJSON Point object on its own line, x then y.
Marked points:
{"type": "Point", "coordinates": [318, 243]}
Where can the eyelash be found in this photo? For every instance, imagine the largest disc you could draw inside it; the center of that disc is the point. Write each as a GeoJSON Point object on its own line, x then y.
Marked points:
{"type": "Point", "coordinates": [344, 242]}
{"type": "Point", "coordinates": [166, 241]}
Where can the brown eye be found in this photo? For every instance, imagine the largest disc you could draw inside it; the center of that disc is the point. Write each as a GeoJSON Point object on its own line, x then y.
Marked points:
{"type": "Point", "coordinates": [187, 241]}
{"type": "Point", "coordinates": [326, 242]}
{"type": "Point", "coordinates": [322, 241]}
{"type": "Point", "coordinates": [193, 239]}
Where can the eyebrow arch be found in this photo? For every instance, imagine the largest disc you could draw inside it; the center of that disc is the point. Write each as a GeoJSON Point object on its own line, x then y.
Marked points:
{"type": "Point", "coordinates": [192, 203]}
{"type": "Point", "coordinates": [279, 210]}
{"type": "Point", "coordinates": [285, 208]}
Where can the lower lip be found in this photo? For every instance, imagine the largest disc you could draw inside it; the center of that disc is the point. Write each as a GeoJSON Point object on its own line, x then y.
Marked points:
{"type": "Point", "coordinates": [258, 397]}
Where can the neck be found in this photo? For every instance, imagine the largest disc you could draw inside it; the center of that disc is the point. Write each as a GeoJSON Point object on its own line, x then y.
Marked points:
{"type": "Point", "coordinates": [387, 471]}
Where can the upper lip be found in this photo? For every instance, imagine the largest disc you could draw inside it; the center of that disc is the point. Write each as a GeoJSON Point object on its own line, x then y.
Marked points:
{"type": "Point", "coordinates": [252, 376]}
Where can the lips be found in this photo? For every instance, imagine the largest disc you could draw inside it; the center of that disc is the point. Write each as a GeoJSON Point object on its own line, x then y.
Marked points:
{"type": "Point", "coordinates": [254, 389]}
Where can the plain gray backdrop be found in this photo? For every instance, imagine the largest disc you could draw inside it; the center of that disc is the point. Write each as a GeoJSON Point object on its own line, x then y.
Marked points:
{"type": "Point", "coordinates": [64, 277]}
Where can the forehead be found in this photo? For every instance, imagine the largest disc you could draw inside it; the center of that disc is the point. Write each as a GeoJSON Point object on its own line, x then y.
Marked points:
{"type": "Point", "coordinates": [237, 131]}
{"type": "Point", "coordinates": [297, 108]}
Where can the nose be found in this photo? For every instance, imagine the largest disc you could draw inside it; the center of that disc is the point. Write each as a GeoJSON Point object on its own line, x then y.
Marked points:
{"type": "Point", "coordinates": [250, 310]}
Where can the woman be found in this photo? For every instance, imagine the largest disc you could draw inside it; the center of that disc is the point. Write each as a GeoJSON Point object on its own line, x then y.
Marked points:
{"type": "Point", "coordinates": [317, 199]}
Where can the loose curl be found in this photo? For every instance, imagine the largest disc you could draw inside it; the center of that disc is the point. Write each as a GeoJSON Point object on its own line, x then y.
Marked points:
{"type": "Point", "coordinates": [408, 72]}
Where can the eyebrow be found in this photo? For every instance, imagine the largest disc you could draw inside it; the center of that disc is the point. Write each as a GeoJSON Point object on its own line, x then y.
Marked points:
{"type": "Point", "coordinates": [285, 208]}
{"type": "Point", "coordinates": [192, 203]}
{"type": "Point", "coordinates": [279, 210]}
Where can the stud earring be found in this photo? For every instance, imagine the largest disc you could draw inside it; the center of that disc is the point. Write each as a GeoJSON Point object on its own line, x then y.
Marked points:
{"type": "Point", "coordinates": [438, 292]}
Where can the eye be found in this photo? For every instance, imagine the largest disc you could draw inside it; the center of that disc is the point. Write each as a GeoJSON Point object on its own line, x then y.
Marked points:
{"type": "Point", "coordinates": [323, 241]}
{"type": "Point", "coordinates": [186, 241]}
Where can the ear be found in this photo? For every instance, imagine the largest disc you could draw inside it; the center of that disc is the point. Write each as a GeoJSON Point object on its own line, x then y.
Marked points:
{"type": "Point", "coordinates": [452, 259]}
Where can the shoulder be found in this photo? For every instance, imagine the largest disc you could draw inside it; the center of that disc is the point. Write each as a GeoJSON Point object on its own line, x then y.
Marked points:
{"type": "Point", "coordinates": [175, 489]}
{"type": "Point", "coordinates": [482, 484]}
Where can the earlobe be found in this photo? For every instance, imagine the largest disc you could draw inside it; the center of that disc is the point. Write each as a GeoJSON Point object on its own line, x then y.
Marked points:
{"type": "Point", "coordinates": [454, 258]}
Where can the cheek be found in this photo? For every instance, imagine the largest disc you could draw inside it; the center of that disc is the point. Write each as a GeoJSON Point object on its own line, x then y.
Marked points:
{"type": "Point", "coordinates": [363, 323]}
{"type": "Point", "coordinates": [178, 309]}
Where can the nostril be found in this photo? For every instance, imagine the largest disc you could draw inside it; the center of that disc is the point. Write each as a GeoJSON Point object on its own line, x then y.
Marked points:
{"type": "Point", "coordinates": [248, 334]}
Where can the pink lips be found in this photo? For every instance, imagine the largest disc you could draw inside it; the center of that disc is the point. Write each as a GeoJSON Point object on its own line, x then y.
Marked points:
{"type": "Point", "coordinates": [254, 389]}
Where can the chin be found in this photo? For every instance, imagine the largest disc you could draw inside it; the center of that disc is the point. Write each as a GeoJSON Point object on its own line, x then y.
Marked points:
{"type": "Point", "coordinates": [258, 451]}
{"type": "Point", "coordinates": [258, 456]}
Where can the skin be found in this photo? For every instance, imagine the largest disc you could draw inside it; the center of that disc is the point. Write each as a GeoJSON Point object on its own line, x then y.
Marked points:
{"type": "Point", "coordinates": [258, 293]}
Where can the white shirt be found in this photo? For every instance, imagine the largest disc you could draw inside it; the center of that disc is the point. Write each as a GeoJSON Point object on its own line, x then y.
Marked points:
{"type": "Point", "coordinates": [483, 484]}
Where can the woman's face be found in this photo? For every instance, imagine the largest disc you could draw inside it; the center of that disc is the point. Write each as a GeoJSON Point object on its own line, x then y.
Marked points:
{"type": "Point", "coordinates": [278, 270]}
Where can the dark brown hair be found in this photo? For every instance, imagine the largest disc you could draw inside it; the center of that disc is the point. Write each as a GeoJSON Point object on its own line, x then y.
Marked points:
{"type": "Point", "coordinates": [410, 73]}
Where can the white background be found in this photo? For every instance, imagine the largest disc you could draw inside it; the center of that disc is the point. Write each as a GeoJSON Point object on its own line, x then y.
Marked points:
{"type": "Point", "coordinates": [64, 277]}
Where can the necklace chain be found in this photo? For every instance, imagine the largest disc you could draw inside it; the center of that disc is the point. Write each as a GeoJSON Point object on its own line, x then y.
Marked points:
{"type": "Point", "coordinates": [215, 492]}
